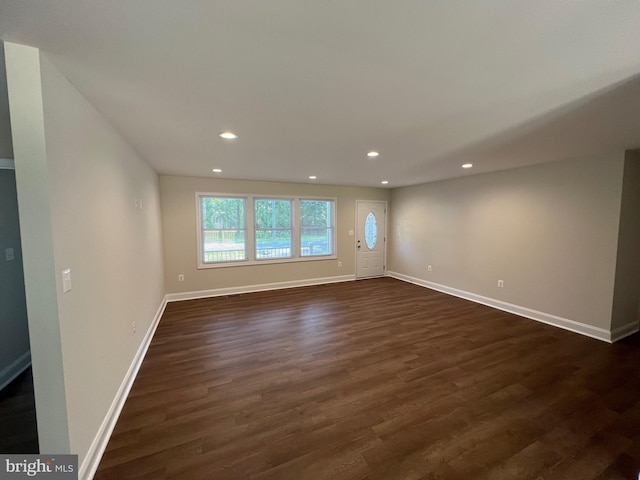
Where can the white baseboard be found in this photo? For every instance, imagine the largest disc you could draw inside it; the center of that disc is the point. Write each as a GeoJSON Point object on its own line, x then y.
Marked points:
{"type": "Point", "coordinates": [624, 331]}
{"type": "Point", "coordinates": [564, 323]}
{"type": "Point", "coordinates": [218, 292]}
{"type": "Point", "coordinates": [96, 450]}
{"type": "Point", "coordinates": [19, 365]}
{"type": "Point", "coordinates": [7, 164]}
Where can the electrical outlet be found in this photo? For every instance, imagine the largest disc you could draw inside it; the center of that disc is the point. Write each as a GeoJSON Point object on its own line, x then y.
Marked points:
{"type": "Point", "coordinates": [429, 268]}
{"type": "Point", "coordinates": [500, 283]}
{"type": "Point", "coordinates": [181, 278]}
{"type": "Point", "coordinates": [133, 326]}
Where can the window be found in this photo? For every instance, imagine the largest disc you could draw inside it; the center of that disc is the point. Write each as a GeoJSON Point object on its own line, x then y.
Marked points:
{"type": "Point", "coordinates": [273, 228]}
{"type": "Point", "coordinates": [371, 231]}
{"type": "Point", "coordinates": [253, 229]}
{"type": "Point", "coordinates": [316, 227]}
{"type": "Point", "coordinates": [223, 229]}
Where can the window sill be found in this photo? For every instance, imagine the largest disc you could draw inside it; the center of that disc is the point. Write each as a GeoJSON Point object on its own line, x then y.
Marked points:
{"type": "Point", "coordinates": [253, 263]}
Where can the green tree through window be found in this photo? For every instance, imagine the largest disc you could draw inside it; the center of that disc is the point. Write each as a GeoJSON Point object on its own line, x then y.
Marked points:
{"type": "Point", "coordinates": [267, 231]}
{"type": "Point", "coordinates": [273, 228]}
{"type": "Point", "coordinates": [224, 228]}
{"type": "Point", "coordinates": [316, 227]}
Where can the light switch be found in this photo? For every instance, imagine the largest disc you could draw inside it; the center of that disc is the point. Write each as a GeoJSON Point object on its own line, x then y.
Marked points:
{"type": "Point", "coordinates": [351, 233]}
{"type": "Point", "coordinates": [66, 280]}
{"type": "Point", "coordinates": [8, 254]}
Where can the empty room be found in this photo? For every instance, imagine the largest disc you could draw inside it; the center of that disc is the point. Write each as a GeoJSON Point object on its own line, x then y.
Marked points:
{"type": "Point", "coordinates": [320, 240]}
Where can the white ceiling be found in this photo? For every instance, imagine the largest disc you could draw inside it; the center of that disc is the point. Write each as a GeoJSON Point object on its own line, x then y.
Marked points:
{"type": "Point", "coordinates": [311, 86]}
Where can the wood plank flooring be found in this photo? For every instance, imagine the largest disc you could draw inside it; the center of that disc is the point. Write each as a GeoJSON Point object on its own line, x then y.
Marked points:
{"type": "Point", "coordinates": [18, 429]}
{"type": "Point", "coordinates": [375, 379]}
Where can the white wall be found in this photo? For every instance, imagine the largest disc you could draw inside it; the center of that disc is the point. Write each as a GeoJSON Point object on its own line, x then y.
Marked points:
{"type": "Point", "coordinates": [550, 231]}
{"type": "Point", "coordinates": [27, 119]}
{"type": "Point", "coordinates": [77, 179]}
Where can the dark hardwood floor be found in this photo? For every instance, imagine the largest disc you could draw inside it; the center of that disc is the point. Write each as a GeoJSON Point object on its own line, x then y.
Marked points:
{"type": "Point", "coordinates": [18, 430]}
{"type": "Point", "coordinates": [375, 379]}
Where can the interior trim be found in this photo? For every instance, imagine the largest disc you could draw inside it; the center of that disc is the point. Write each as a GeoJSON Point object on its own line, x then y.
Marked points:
{"type": "Point", "coordinates": [564, 323]}
{"type": "Point", "coordinates": [7, 164]}
{"type": "Point", "coordinates": [92, 459]}
{"type": "Point", "coordinates": [219, 292]}
{"type": "Point", "coordinates": [10, 372]}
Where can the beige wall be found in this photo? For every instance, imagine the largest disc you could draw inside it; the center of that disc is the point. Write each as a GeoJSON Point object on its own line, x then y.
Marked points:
{"type": "Point", "coordinates": [549, 231]}
{"type": "Point", "coordinates": [627, 280]}
{"type": "Point", "coordinates": [14, 334]}
{"type": "Point", "coordinates": [179, 234]}
{"type": "Point", "coordinates": [77, 179]}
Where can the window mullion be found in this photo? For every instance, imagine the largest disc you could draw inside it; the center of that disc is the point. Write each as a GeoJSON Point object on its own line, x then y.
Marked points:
{"type": "Point", "coordinates": [220, 229]}
{"type": "Point", "coordinates": [295, 227]}
{"type": "Point", "coordinates": [201, 255]}
{"type": "Point", "coordinates": [250, 228]}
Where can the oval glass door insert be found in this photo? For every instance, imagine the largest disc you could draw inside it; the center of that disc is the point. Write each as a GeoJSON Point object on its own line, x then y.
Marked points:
{"type": "Point", "coordinates": [371, 231]}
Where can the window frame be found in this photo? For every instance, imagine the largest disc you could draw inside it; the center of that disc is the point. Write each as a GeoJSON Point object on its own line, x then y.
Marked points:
{"type": "Point", "coordinates": [332, 227]}
{"type": "Point", "coordinates": [250, 230]}
{"type": "Point", "coordinates": [291, 228]}
{"type": "Point", "coordinates": [201, 229]}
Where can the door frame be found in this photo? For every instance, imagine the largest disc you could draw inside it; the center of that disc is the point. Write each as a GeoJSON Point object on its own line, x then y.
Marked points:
{"type": "Point", "coordinates": [357, 232]}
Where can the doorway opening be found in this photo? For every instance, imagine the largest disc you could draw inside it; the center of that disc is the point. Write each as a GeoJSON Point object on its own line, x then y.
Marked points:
{"type": "Point", "coordinates": [18, 429]}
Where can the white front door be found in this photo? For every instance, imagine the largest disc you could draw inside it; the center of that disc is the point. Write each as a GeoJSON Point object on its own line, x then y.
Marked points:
{"type": "Point", "coordinates": [370, 238]}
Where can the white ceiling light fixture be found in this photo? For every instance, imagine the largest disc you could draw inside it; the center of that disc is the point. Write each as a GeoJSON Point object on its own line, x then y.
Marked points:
{"type": "Point", "coordinates": [467, 165]}
{"type": "Point", "coordinates": [372, 154]}
{"type": "Point", "coordinates": [217, 170]}
{"type": "Point", "coordinates": [384, 182]}
{"type": "Point", "coordinates": [228, 135]}
{"type": "Point", "coordinates": [312, 177]}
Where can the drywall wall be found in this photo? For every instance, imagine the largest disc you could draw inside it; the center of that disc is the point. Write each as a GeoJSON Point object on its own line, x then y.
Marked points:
{"type": "Point", "coordinates": [627, 281]}
{"type": "Point", "coordinates": [179, 233]}
{"type": "Point", "coordinates": [6, 146]}
{"type": "Point", "coordinates": [549, 231]}
{"type": "Point", "coordinates": [14, 332]}
{"type": "Point", "coordinates": [32, 184]}
{"type": "Point", "coordinates": [77, 182]}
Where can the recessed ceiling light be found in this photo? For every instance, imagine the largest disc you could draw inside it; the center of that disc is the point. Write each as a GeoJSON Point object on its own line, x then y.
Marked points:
{"type": "Point", "coordinates": [312, 177]}
{"type": "Point", "coordinates": [372, 154]}
{"type": "Point", "coordinates": [467, 165]}
{"type": "Point", "coordinates": [384, 182]}
{"type": "Point", "coordinates": [217, 170]}
{"type": "Point", "coordinates": [228, 135]}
